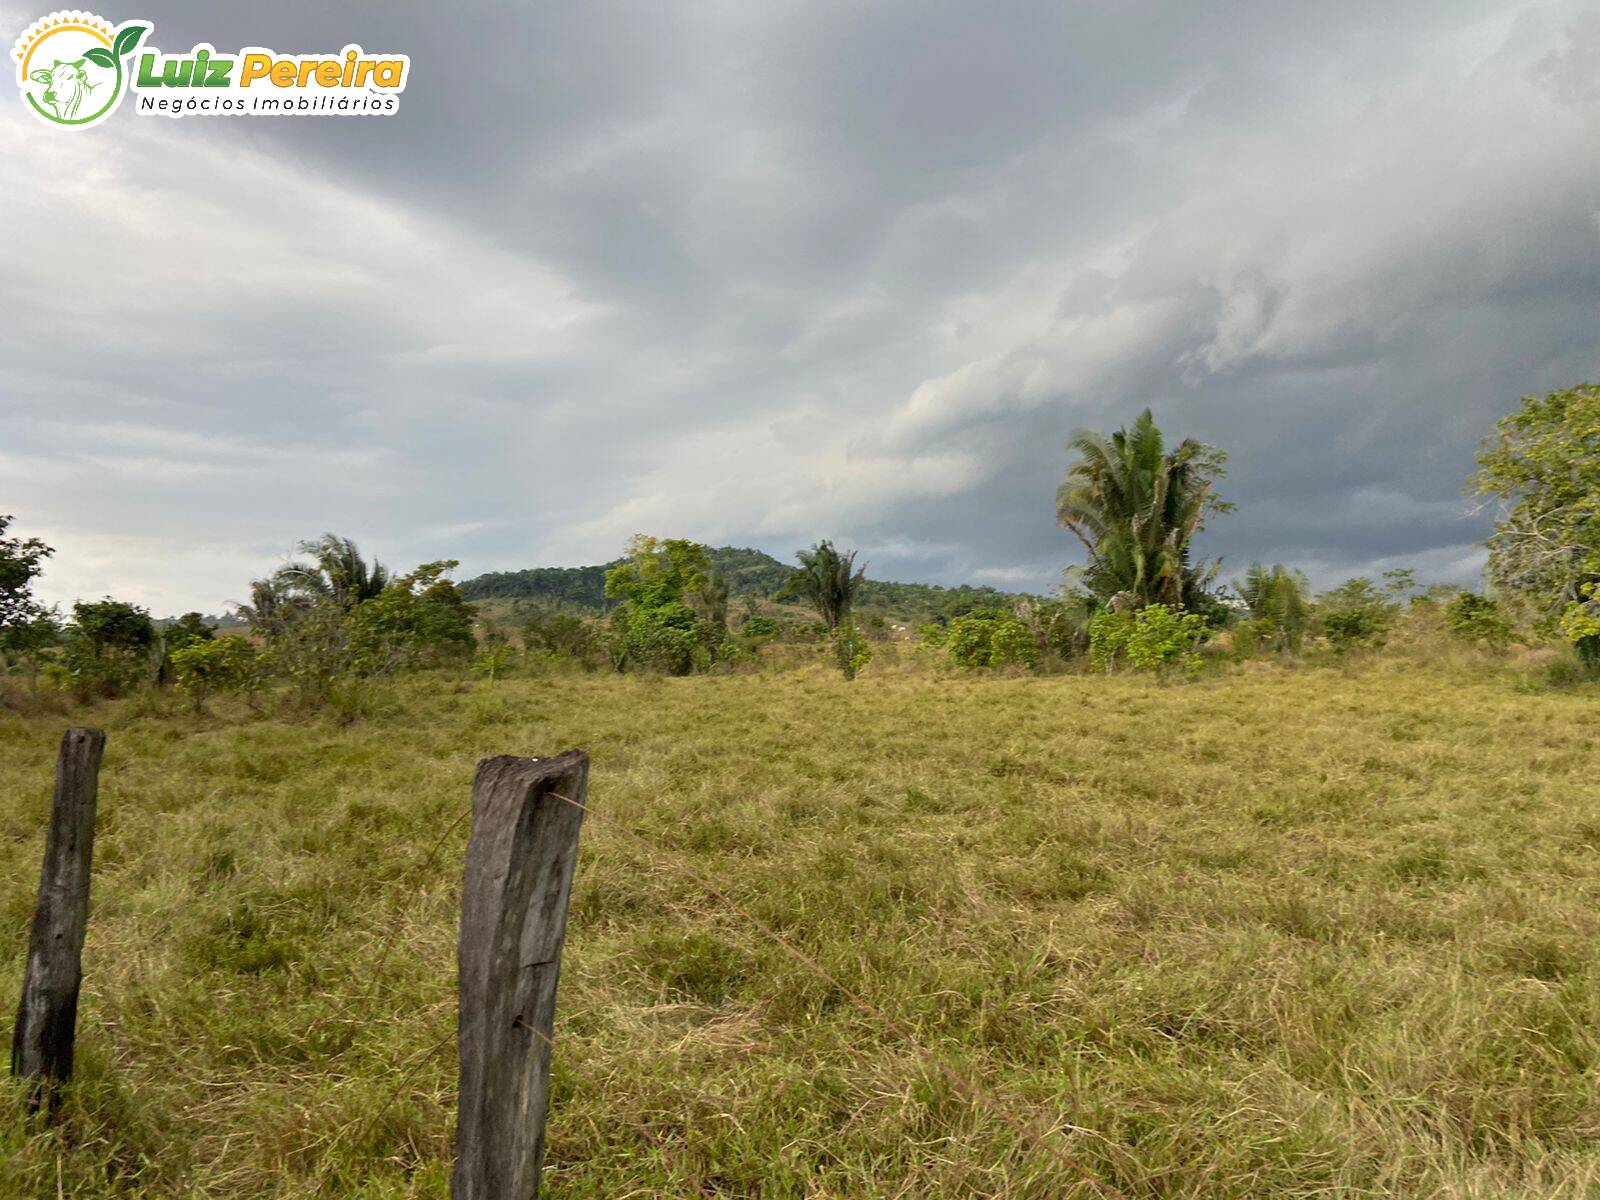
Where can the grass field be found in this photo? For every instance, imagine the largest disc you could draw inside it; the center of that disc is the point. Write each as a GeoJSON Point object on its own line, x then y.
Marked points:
{"type": "Point", "coordinates": [1275, 933]}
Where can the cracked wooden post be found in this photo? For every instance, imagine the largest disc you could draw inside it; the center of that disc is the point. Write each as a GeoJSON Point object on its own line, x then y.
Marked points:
{"type": "Point", "coordinates": [520, 858]}
{"type": "Point", "coordinates": [47, 1014]}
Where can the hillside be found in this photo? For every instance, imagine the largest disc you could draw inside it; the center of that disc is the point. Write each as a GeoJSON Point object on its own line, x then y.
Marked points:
{"type": "Point", "coordinates": [750, 573]}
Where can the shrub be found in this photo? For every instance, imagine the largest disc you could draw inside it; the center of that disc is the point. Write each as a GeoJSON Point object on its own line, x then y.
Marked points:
{"type": "Point", "coordinates": [1580, 625]}
{"type": "Point", "coordinates": [1155, 638]}
{"type": "Point", "coordinates": [655, 628]}
{"type": "Point", "coordinates": [492, 661]}
{"type": "Point", "coordinates": [1355, 615]}
{"type": "Point", "coordinates": [108, 649]}
{"type": "Point", "coordinates": [204, 667]}
{"type": "Point", "coordinates": [421, 617]}
{"type": "Point", "coordinates": [759, 629]}
{"type": "Point", "coordinates": [562, 636]}
{"type": "Point", "coordinates": [969, 641]}
{"type": "Point", "coordinates": [1474, 618]}
{"type": "Point", "coordinates": [1010, 641]}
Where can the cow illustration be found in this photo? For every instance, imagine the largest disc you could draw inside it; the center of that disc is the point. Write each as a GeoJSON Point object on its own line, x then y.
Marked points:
{"type": "Point", "coordinates": [66, 87]}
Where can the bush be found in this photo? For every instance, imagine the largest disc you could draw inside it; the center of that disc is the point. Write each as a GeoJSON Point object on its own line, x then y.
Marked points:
{"type": "Point", "coordinates": [1474, 618]}
{"type": "Point", "coordinates": [562, 636]}
{"type": "Point", "coordinates": [759, 629]}
{"type": "Point", "coordinates": [226, 664]}
{"type": "Point", "coordinates": [1155, 638]}
{"type": "Point", "coordinates": [419, 618]}
{"type": "Point", "coordinates": [662, 638]}
{"type": "Point", "coordinates": [492, 661]}
{"type": "Point", "coordinates": [1012, 642]}
{"type": "Point", "coordinates": [969, 641]}
{"type": "Point", "coordinates": [108, 649]}
{"type": "Point", "coordinates": [1580, 624]}
{"type": "Point", "coordinates": [1355, 615]}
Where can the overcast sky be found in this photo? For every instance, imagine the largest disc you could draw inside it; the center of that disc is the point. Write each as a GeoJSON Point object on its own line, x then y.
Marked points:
{"type": "Point", "coordinates": [757, 273]}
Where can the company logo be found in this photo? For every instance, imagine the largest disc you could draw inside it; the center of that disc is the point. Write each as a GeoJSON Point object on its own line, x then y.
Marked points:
{"type": "Point", "coordinates": [71, 66]}
{"type": "Point", "coordinates": [73, 69]}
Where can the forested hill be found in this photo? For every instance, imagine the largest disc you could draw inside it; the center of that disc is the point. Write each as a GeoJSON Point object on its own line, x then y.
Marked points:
{"type": "Point", "coordinates": [748, 572]}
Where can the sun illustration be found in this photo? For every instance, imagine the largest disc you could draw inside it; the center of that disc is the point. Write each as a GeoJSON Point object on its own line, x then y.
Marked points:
{"type": "Point", "coordinates": [70, 66]}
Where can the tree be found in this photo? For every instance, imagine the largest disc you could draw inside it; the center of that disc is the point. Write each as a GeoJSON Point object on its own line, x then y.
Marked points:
{"type": "Point", "coordinates": [1542, 464]}
{"type": "Point", "coordinates": [1136, 508]}
{"type": "Point", "coordinates": [1356, 615]}
{"type": "Point", "coordinates": [1155, 638]}
{"type": "Point", "coordinates": [419, 618]}
{"type": "Point", "coordinates": [829, 582]}
{"type": "Point", "coordinates": [1279, 603]}
{"type": "Point", "coordinates": [188, 629]}
{"type": "Point", "coordinates": [108, 647]}
{"type": "Point", "coordinates": [1475, 618]}
{"type": "Point", "coordinates": [654, 627]}
{"type": "Point", "coordinates": [336, 570]}
{"type": "Point", "coordinates": [203, 666]}
{"type": "Point", "coordinates": [21, 562]}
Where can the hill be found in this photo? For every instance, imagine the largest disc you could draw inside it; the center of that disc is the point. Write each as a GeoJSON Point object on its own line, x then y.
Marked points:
{"type": "Point", "coordinates": [750, 573]}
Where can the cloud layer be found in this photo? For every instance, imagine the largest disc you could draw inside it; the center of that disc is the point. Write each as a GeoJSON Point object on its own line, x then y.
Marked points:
{"type": "Point", "coordinates": [760, 274]}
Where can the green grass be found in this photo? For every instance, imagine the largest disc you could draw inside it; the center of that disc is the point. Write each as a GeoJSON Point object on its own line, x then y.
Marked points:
{"type": "Point", "coordinates": [1275, 933]}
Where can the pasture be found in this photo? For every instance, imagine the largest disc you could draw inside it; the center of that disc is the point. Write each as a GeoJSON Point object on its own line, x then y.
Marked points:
{"type": "Point", "coordinates": [1277, 932]}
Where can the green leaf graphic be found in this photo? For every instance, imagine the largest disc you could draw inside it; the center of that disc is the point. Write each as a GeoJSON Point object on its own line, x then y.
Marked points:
{"type": "Point", "coordinates": [128, 38]}
{"type": "Point", "coordinates": [100, 57]}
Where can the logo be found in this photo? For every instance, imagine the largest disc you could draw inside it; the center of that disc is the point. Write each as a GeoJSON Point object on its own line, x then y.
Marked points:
{"type": "Point", "coordinates": [74, 68]}
{"type": "Point", "coordinates": [71, 66]}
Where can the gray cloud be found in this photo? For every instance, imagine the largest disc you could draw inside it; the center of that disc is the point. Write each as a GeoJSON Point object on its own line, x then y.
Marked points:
{"type": "Point", "coordinates": [766, 273]}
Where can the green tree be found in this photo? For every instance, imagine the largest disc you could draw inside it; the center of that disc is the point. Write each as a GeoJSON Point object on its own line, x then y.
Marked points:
{"type": "Point", "coordinates": [1156, 638]}
{"type": "Point", "coordinates": [188, 629]}
{"type": "Point", "coordinates": [335, 570]}
{"type": "Point", "coordinates": [654, 627]}
{"type": "Point", "coordinates": [1136, 507]}
{"type": "Point", "coordinates": [203, 667]}
{"type": "Point", "coordinates": [21, 562]}
{"type": "Point", "coordinates": [1356, 615]}
{"type": "Point", "coordinates": [1279, 603]}
{"type": "Point", "coordinates": [108, 647]}
{"type": "Point", "coordinates": [829, 582]}
{"type": "Point", "coordinates": [1542, 464]}
{"type": "Point", "coordinates": [420, 618]}
{"type": "Point", "coordinates": [1475, 618]}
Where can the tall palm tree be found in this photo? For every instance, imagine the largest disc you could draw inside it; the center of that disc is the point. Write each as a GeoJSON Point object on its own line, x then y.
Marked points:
{"type": "Point", "coordinates": [1136, 507]}
{"type": "Point", "coordinates": [830, 582]}
{"type": "Point", "coordinates": [827, 580]}
{"type": "Point", "coordinates": [1280, 599]}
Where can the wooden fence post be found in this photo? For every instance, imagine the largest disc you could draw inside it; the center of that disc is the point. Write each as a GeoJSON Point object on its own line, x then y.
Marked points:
{"type": "Point", "coordinates": [47, 1015]}
{"type": "Point", "coordinates": [520, 858]}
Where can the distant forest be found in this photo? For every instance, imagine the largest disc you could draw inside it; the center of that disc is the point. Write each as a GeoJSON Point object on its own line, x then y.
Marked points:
{"type": "Point", "coordinates": [750, 574]}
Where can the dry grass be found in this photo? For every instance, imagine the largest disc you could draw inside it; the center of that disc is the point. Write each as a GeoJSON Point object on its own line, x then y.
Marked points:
{"type": "Point", "coordinates": [1275, 933]}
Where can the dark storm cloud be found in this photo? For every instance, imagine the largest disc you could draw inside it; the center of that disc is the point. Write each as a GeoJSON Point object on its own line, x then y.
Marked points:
{"type": "Point", "coordinates": [762, 273]}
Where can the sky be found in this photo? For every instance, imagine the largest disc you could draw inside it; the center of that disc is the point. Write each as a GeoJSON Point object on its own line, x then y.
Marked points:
{"type": "Point", "coordinates": [762, 273]}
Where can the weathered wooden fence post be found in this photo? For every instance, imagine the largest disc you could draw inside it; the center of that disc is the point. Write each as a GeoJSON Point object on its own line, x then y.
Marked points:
{"type": "Point", "coordinates": [47, 1016]}
{"type": "Point", "coordinates": [520, 858]}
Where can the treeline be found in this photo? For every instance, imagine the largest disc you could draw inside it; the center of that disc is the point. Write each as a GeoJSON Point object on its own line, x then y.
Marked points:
{"type": "Point", "coordinates": [749, 574]}
{"type": "Point", "coordinates": [326, 628]}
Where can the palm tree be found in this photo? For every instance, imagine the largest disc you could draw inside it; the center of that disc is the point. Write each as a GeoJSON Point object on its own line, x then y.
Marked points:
{"type": "Point", "coordinates": [336, 571]}
{"type": "Point", "coordinates": [830, 582]}
{"type": "Point", "coordinates": [1280, 600]}
{"type": "Point", "coordinates": [1136, 507]}
{"type": "Point", "coordinates": [825, 579]}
